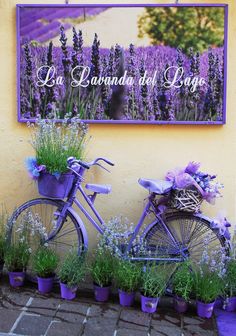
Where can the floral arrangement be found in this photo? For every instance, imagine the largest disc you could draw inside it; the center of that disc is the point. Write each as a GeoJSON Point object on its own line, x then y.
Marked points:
{"type": "Point", "coordinates": [191, 177]}
{"type": "Point", "coordinates": [53, 145]}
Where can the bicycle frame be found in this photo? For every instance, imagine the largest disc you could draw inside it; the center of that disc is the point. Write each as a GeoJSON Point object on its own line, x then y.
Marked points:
{"type": "Point", "coordinates": [100, 225]}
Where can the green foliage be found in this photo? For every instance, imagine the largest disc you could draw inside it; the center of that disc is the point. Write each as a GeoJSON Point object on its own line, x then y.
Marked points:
{"type": "Point", "coordinates": [102, 268]}
{"type": "Point", "coordinates": [54, 143]}
{"type": "Point", "coordinates": [154, 280]}
{"type": "Point", "coordinates": [45, 262]}
{"type": "Point", "coordinates": [127, 275]}
{"type": "Point", "coordinates": [207, 285]}
{"type": "Point", "coordinates": [183, 281]}
{"type": "Point", "coordinates": [72, 269]}
{"type": "Point", "coordinates": [3, 222]}
{"type": "Point", "coordinates": [184, 27]}
{"type": "Point", "coordinates": [17, 257]}
{"type": "Point", "coordinates": [230, 278]}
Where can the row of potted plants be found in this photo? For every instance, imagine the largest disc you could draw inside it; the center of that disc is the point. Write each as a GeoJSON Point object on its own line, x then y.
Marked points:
{"type": "Point", "coordinates": [202, 283]}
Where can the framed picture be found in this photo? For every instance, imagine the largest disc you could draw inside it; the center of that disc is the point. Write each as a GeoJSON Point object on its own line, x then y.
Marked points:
{"type": "Point", "coordinates": [140, 64]}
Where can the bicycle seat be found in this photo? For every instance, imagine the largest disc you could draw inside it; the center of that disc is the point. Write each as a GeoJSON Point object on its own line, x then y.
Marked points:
{"type": "Point", "coordinates": [156, 186]}
{"type": "Point", "coordinates": [99, 188]}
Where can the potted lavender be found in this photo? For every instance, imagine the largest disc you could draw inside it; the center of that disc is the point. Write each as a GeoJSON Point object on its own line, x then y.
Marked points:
{"type": "Point", "coordinates": [71, 273]}
{"type": "Point", "coordinates": [230, 286]}
{"type": "Point", "coordinates": [208, 285]}
{"type": "Point", "coordinates": [182, 284]}
{"type": "Point", "coordinates": [127, 277]}
{"type": "Point", "coordinates": [16, 260]}
{"type": "Point", "coordinates": [153, 285]}
{"type": "Point", "coordinates": [102, 273]}
{"type": "Point", "coordinates": [53, 145]}
{"type": "Point", "coordinates": [45, 262]}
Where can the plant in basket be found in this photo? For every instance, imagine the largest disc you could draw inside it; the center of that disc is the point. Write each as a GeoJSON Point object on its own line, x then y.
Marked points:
{"type": "Point", "coordinates": [127, 276]}
{"type": "Point", "coordinates": [45, 262]}
{"type": "Point", "coordinates": [182, 283]}
{"type": "Point", "coordinates": [102, 273]}
{"type": "Point", "coordinates": [53, 144]}
{"type": "Point", "coordinates": [191, 187]}
{"type": "Point", "coordinates": [16, 260]}
{"type": "Point", "coordinates": [71, 273]}
{"type": "Point", "coordinates": [153, 285]}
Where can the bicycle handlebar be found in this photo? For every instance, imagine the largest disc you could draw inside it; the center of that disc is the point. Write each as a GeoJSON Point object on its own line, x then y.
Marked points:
{"type": "Point", "coordinates": [72, 161]}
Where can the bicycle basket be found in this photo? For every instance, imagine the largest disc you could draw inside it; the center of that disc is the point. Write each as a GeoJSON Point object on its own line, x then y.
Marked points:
{"type": "Point", "coordinates": [188, 200]}
{"type": "Point", "coordinates": [50, 186]}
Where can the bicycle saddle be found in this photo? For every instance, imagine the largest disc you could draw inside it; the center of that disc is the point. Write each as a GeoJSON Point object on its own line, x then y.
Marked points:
{"type": "Point", "coordinates": [156, 186]}
{"type": "Point", "coordinates": [99, 188]}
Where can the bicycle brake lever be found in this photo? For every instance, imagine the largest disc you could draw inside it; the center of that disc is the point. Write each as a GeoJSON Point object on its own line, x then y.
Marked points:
{"type": "Point", "coordinates": [98, 164]}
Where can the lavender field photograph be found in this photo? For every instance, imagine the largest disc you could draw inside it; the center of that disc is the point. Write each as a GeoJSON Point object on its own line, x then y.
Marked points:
{"type": "Point", "coordinates": [122, 64]}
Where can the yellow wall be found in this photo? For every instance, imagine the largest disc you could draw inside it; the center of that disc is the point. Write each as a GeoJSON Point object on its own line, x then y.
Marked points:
{"type": "Point", "coordinates": [138, 150]}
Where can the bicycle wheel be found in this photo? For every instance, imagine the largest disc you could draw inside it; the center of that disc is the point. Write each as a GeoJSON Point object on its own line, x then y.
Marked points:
{"type": "Point", "coordinates": [191, 233]}
{"type": "Point", "coordinates": [37, 218]}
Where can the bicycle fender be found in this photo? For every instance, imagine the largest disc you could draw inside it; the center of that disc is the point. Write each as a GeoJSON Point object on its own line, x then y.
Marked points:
{"type": "Point", "coordinates": [81, 225]}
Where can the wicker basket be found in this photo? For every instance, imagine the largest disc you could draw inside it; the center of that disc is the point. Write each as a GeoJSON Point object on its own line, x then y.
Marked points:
{"type": "Point", "coordinates": [188, 200]}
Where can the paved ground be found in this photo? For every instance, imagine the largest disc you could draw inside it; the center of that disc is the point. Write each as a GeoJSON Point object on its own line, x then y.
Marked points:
{"type": "Point", "coordinates": [25, 312]}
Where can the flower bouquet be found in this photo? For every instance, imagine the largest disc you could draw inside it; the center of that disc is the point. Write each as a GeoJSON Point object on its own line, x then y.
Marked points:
{"type": "Point", "coordinates": [53, 145]}
{"type": "Point", "coordinates": [191, 187]}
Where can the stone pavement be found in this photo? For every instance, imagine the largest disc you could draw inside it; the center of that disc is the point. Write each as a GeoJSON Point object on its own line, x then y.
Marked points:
{"type": "Point", "coordinates": [26, 312]}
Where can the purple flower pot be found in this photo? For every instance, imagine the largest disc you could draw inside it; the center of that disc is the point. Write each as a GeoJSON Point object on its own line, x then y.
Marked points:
{"type": "Point", "coordinates": [45, 284]}
{"type": "Point", "coordinates": [67, 293]}
{"type": "Point", "coordinates": [50, 186]}
{"type": "Point", "coordinates": [126, 299]}
{"type": "Point", "coordinates": [230, 304]}
{"type": "Point", "coordinates": [101, 293]}
{"type": "Point", "coordinates": [180, 304]}
{"type": "Point", "coordinates": [149, 305]}
{"type": "Point", "coordinates": [205, 310]}
{"type": "Point", "coordinates": [16, 279]}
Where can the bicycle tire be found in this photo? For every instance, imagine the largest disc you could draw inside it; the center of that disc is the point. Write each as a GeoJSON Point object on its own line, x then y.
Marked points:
{"type": "Point", "coordinates": [49, 208]}
{"type": "Point", "coordinates": [192, 232]}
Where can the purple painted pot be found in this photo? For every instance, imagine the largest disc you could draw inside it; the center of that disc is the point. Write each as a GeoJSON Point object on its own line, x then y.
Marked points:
{"type": "Point", "coordinates": [50, 186]}
{"type": "Point", "coordinates": [45, 284]}
{"type": "Point", "coordinates": [16, 279]}
{"type": "Point", "coordinates": [205, 310]}
{"type": "Point", "coordinates": [149, 305]}
{"type": "Point", "coordinates": [230, 304]}
{"type": "Point", "coordinates": [67, 293]}
{"type": "Point", "coordinates": [180, 304]}
{"type": "Point", "coordinates": [101, 293]}
{"type": "Point", "coordinates": [126, 299]}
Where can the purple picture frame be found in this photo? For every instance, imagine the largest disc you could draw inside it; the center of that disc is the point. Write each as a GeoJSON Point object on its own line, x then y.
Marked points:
{"type": "Point", "coordinates": [21, 118]}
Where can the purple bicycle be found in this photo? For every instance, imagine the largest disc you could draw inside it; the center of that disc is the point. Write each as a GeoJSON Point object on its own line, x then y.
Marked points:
{"type": "Point", "coordinates": [170, 235]}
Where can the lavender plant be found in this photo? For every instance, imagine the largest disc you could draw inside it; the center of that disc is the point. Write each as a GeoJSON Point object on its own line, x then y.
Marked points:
{"type": "Point", "coordinates": [72, 269]}
{"type": "Point", "coordinates": [102, 267]}
{"type": "Point", "coordinates": [54, 143]}
{"type": "Point", "coordinates": [3, 242]}
{"type": "Point", "coordinates": [127, 275]}
{"type": "Point", "coordinates": [17, 256]}
{"type": "Point", "coordinates": [182, 281]}
{"type": "Point", "coordinates": [45, 262]}
{"type": "Point", "coordinates": [116, 102]}
{"type": "Point", "coordinates": [208, 275]}
{"type": "Point", "coordinates": [154, 280]}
